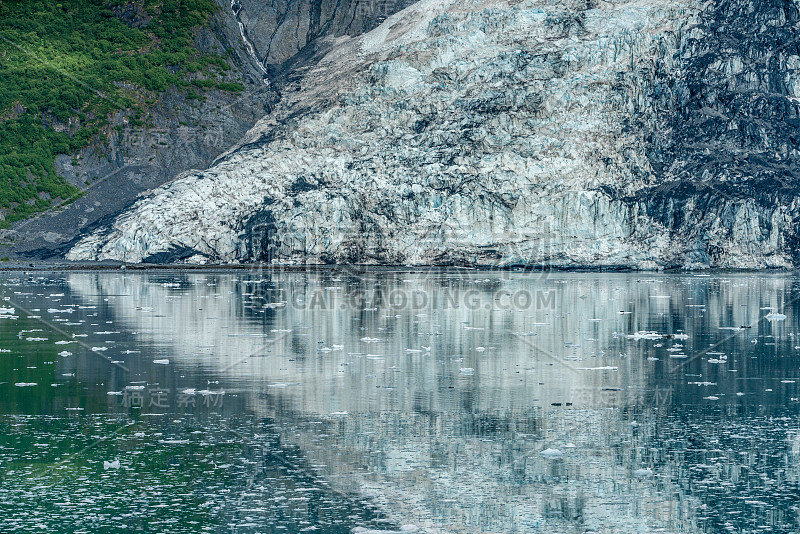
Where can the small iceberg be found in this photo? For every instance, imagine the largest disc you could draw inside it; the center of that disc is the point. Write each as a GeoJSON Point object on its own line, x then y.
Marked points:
{"type": "Point", "coordinates": [110, 465]}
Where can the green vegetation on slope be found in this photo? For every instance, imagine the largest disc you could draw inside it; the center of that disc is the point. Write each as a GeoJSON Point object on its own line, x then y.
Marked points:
{"type": "Point", "coordinates": [66, 66]}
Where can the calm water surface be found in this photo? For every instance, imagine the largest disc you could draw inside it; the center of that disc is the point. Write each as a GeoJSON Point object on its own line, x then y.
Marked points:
{"type": "Point", "coordinates": [399, 401]}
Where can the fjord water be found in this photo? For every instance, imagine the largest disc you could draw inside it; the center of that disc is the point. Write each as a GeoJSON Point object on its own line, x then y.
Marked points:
{"type": "Point", "coordinates": [429, 401]}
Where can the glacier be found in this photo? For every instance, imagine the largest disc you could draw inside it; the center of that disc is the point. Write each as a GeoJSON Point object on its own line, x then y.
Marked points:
{"type": "Point", "coordinates": [633, 134]}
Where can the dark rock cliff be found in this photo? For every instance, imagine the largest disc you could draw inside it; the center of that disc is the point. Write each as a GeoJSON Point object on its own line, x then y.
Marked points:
{"type": "Point", "coordinates": [727, 129]}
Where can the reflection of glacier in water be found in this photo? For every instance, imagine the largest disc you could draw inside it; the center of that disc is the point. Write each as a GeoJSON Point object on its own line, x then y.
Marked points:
{"type": "Point", "coordinates": [461, 412]}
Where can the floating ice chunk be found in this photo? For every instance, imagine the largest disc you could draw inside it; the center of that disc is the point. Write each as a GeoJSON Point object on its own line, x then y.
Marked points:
{"type": "Point", "coordinates": [99, 349]}
{"type": "Point", "coordinates": [338, 413]}
{"type": "Point", "coordinates": [35, 339]}
{"type": "Point", "coordinates": [6, 311]}
{"type": "Point", "coordinates": [466, 371]}
{"type": "Point", "coordinates": [775, 317]}
{"type": "Point", "coordinates": [551, 453]}
{"type": "Point", "coordinates": [55, 310]}
{"type": "Point", "coordinates": [220, 392]}
{"type": "Point", "coordinates": [643, 472]}
{"type": "Point", "coordinates": [711, 397]}
{"type": "Point", "coordinates": [62, 342]}
{"type": "Point", "coordinates": [644, 335]}
{"type": "Point", "coordinates": [65, 353]}
{"type": "Point", "coordinates": [21, 332]}
{"type": "Point", "coordinates": [114, 393]}
{"type": "Point", "coordinates": [163, 361]}
{"type": "Point", "coordinates": [413, 350]}
{"type": "Point", "coordinates": [480, 349]}
{"type": "Point", "coordinates": [25, 384]}
{"type": "Point", "coordinates": [370, 339]}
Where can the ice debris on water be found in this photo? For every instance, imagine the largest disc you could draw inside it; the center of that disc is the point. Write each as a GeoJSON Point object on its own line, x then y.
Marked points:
{"type": "Point", "coordinates": [644, 335]}
{"type": "Point", "coordinates": [111, 465]}
{"type": "Point", "coordinates": [655, 335]}
{"type": "Point", "coordinates": [404, 529]}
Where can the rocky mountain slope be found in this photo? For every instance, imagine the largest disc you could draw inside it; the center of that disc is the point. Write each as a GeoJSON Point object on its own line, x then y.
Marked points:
{"type": "Point", "coordinates": [583, 133]}
{"type": "Point", "coordinates": [186, 130]}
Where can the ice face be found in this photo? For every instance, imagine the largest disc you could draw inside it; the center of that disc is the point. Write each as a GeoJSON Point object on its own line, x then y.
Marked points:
{"type": "Point", "coordinates": [463, 132]}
